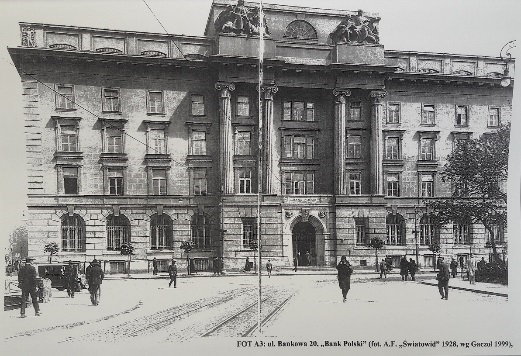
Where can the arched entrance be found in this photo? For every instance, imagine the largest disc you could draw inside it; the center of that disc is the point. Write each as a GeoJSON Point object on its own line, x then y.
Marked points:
{"type": "Point", "coordinates": [304, 244]}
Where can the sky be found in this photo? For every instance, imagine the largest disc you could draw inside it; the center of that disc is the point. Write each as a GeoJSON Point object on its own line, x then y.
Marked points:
{"type": "Point", "coordinates": [455, 26]}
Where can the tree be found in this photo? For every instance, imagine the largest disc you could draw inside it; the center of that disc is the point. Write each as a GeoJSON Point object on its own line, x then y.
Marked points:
{"type": "Point", "coordinates": [478, 170]}
{"type": "Point", "coordinates": [18, 242]}
{"type": "Point", "coordinates": [186, 246]}
{"type": "Point", "coordinates": [127, 249]}
{"type": "Point", "coordinates": [52, 249]}
{"type": "Point", "coordinates": [377, 244]}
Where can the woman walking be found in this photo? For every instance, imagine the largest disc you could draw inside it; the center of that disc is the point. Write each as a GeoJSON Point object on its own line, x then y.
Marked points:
{"type": "Point", "coordinates": [344, 276]}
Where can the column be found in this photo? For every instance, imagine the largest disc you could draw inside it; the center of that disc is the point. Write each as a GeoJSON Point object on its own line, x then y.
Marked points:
{"type": "Point", "coordinates": [377, 116]}
{"type": "Point", "coordinates": [269, 137]}
{"type": "Point", "coordinates": [340, 138]}
{"type": "Point", "coordinates": [226, 135]}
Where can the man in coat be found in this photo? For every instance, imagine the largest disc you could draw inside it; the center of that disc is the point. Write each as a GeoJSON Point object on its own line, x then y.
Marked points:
{"type": "Point", "coordinates": [172, 272]}
{"type": "Point", "coordinates": [412, 268]}
{"type": "Point", "coordinates": [344, 276]}
{"type": "Point", "coordinates": [443, 278]}
{"type": "Point", "coordinates": [94, 276]}
{"type": "Point", "coordinates": [269, 268]}
{"type": "Point", "coordinates": [154, 266]}
{"type": "Point", "coordinates": [71, 278]}
{"type": "Point", "coordinates": [454, 268]}
{"type": "Point", "coordinates": [404, 268]}
{"type": "Point", "coordinates": [383, 269]}
{"type": "Point", "coordinates": [27, 282]}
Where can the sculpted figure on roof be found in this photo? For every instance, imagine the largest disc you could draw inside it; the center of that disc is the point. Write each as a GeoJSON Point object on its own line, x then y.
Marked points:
{"type": "Point", "coordinates": [240, 20]}
{"type": "Point", "coordinates": [357, 29]}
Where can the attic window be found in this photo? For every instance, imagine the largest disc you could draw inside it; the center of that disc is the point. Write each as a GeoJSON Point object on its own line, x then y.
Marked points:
{"type": "Point", "coordinates": [300, 30]}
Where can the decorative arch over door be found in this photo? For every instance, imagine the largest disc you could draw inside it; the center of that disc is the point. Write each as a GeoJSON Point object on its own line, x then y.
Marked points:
{"type": "Point", "coordinates": [307, 240]}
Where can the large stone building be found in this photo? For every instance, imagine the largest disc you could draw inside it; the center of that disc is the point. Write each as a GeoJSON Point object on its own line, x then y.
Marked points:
{"type": "Point", "coordinates": [152, 139]}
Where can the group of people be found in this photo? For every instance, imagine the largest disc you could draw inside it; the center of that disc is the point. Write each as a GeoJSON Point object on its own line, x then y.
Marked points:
{"type": "Point", "coordinates": [408, 268]}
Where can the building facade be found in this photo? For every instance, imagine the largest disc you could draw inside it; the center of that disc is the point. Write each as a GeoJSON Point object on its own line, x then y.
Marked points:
{"type": "Point", "coordinates": [153, 140]}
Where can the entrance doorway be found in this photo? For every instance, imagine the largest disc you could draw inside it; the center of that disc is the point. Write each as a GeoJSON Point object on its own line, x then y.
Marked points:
{"type": "Point", "coordinates": [304, 244]}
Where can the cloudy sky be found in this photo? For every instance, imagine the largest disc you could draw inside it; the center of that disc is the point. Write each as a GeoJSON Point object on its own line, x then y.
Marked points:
{"type": "Point", "coordinates": [449, 26]}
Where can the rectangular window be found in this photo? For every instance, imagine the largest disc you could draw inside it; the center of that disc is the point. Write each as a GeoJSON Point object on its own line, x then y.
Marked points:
{"type": "Point", "coordinates": [199, 181]}
{"type": "Point", "coordinates": [427, 185]}
{"type": "Point", "coordinates": [355, 183]}
{"type": "Point", "coordinates": [493, 117]}
{"type": "Point", "coordinates": [393, 113]}
{"type": "Point", "coordinates": [393, 184]}
{"type": "Point", "coordinates": [115, 177]}
{"type": "Point", "coordinates": [245, 181]}
{"type": "Point", "coordinates": [460, 233]}
{"type": "Point", "coordinates": [287, 111]}
{"type": "Point", "coordinates": [298, 111]}
{"type": "Point", "coordinates": [428, 115]}
{"type": "Point", "coordinates": [114, 141]}
{"type": "Point", "coordinates": [243, 143]}
{"type": "Point", "coordinates": [248, 232]}
{"type": "Point", "coordinates": [198, 142]}
{"type": "Point", "coordinates": [499, 234]}
{"type": "Point", "coordinates": [310, 112]}
{"type": "Point", "coordinates": [68, 138]}
{"type": "Point", "coordinates": [461, 115]}
{"type": "Point", "coordinates": [198, 108]}
{"type": "Point", "coordinates": [355, 111]}
{"type": "Point", "coordinates": [360, 231]}
{"type": "Point", "coordinates": [299, 147]}
{"type": "Point", "coordinates": [243, 106]}
{"type": "Point", "coordinates": [427, 149]}
{"type": "Point", "coordinates": [70, 180]}
{"type": "Point", "coordinates": [64, 97]}
{"type": "Point", "coordinates": [157, 141]}
{"type": "Point", "coordinates": [155, 102]}
{"type": "Point", "coordinates": [299, 183]}
{"type": "Point", "coordinates": [354, 147]}
{"type": "Point", "coordinates": [392, 148]}
{"type": "Point", "coordinates": [110, 100]}
{"type": "Point", "coordinates": [159, 181]}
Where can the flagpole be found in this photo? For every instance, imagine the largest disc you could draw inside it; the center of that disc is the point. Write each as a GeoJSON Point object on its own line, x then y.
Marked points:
{"type": "Point", "coordinates": [259, 156]}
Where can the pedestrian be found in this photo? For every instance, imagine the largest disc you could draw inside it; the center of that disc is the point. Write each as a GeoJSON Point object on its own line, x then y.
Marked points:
{"type": "Point", "coordinates": [172, 272]}
{"type": "Point", "coordinates": [454, 268]}
{"type": "Point", "coordinates": [269, 267]}
{"type": "Point", "coordinates": [443, 278]}
{"type": "Point", "coordinates": [95, 276]}
{"type": "Point", "coordinates": [247, 265]}
{"type": "Point", "coordinates": [308, 258]}
{"type": "Point", "coordinates": [413, 267]}
{"type": "Point", "coordinates": [215, 266]}
{"type": "Point", "coordinates": [154, 266]}
{"type": "Point", "coordinates": [471, 269]}
{"type": "Point", "coordinates": [295, 263]}
{"type": "Point", "coordinates": [404, 268]}
{"type": "Point", "coordinates": [221, 265]}
{"type": "Point", "coordinates": [71, 278]}
{"type": "Point", "coordinates": [383, 269]}
{"type": "Point", "coordinates": [344, 276]}
{"type": "Point", "coordinates": [27, 282]}
{"type": "Point", "coordinates": [481, 264]}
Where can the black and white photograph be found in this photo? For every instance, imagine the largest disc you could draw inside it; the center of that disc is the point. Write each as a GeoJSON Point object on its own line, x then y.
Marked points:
{"type": "Point", "coordinates": [260, 177]}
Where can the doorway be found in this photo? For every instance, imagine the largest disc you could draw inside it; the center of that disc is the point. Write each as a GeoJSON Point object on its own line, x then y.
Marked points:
{"type": "Point", "coordinates": [304, 244]}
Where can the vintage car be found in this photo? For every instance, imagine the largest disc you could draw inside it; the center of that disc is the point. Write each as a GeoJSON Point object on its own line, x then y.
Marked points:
{"type": "Point", "coordinates": [56, 273]}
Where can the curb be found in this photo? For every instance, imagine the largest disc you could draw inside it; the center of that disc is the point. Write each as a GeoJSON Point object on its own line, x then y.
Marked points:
{"type": "Point", "coordinates": [470, 290]}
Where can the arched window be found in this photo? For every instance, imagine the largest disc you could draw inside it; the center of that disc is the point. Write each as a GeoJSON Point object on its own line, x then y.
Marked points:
{"type": "Point", "coordinates": [429, 231]}
{"type": "Point", "coordinates": [300, 30]}
{"type": "Point", "coordinates": [73, 233]}
{"type": "Point", "coordinates": [395, 229]}
{"type": "Point", "coordinates": [118, 232]}
{"type": "Point", "coordinates": [200, 231]}
{"type": "Point", "coordinates": [161, 232]}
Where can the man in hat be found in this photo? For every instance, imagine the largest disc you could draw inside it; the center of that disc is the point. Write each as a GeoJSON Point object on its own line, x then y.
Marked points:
{"type": "Point", "coordinates": [28, 283]}
{"type": "Point", "coordinates": [95, 276]}
{"type": "Point", "coordinates": [443, 278]}
{"type": "Point", "coordinates": [269, 268]}
{"type": "Point", "coordinates": [344, 276]}
{"type": "Point", "coordinates": [172, 272]}
{"type": "Point", "coordinates": [71, 278]}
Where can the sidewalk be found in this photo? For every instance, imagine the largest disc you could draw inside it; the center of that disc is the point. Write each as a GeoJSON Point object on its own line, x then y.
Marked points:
{"type": "Point", "coordinates": [479, 287]}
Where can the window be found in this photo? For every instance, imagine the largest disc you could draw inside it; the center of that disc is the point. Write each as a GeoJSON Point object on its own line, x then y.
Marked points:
{"type": "Point", "coordinates": [301, 30]}
{"type": "Point", "coordinates": [68, 138]}
{"type": "Point", "coordinates": [248, 232]}
{"type": "Point", "coordinates": [159, 181]}
{"type": "Point", "coordinates": [118, 232]}
{"type": "Point", "coordinates": [393, 184]}
{"type": "Point", "coordinates": [115, 179]}
{"type": "Point", "coordinates": [200, 231]}
{"type": "Point", "coordinates": [395, 225]}
{"type": "Point", "coordinates": [427, 185]}
{"type": "Point", "coordinates": [161, 232]}
{"type": "Point", "coordinates": [493, 117]}
{"type": "Point", "coordinates": [361, 231]}
{"type": "Point", "coordinates": [393, 113]}
{"type": "Point", "coordinates": [354, 147]}
{"type": "Point", "coordinates": [355, 183]}
{"type": "Point", "coordinates": [355, 111]}
{"type": "Point", "coordinates": [114, 140]}
{"type": "Point", "coordinates": [157, 141]}
{"type": "Point", "coordinates": [198, 105]}
{"type": "Point", "coordinates": [461, 115]}
{"type": "Point", "coordinates": [298, 147]}
{"type": "Point", "coordinates": [298, 111]}
{"type": "Point", "coordinates": [427, 149]}
{"type": "Point", "coordinates": [70, 180]}
{"type": "Point", "coordinates": [429, 232]}
{"type": "Point", "coordinates": [155, 102]}
{"type": "Point", "coordinates": [64, 97]}
{"type": "Point", "coordinates": [199, 181]}
{"type": "Point", "coordinates": [198, 142]}
{"type": "Point", "coordinates": [243, 143]}
{"type": "Point", "coordinates": [110, 100]}
{"type": "Point", "coordinates": [243, 106]}
{"type": "Point", "coordinates": [499, 234]}
{"type": "Point", "coordinates": [461, 234]}
{"type": "Point", "coordinates": [73, 233]}
{"type": "Point", "coordinates": [245, 181]}
{"type": "Point", "coordinates": [299, 183]}
{"type": "Point", "coordinates": [392, 148]}
{"type": "Point", "coordinates": [428, 115]}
